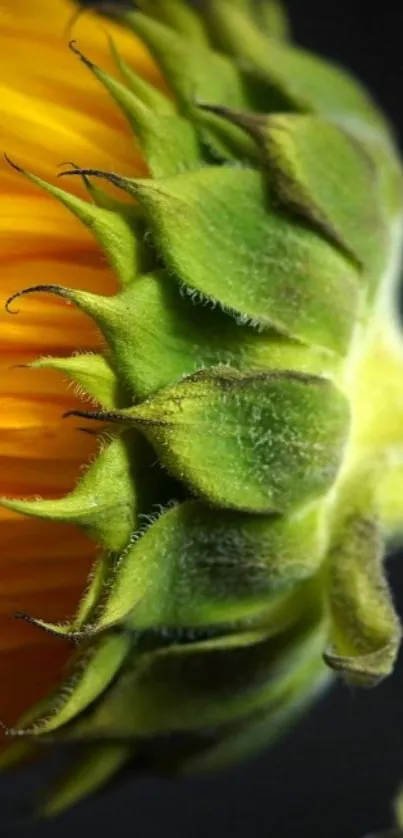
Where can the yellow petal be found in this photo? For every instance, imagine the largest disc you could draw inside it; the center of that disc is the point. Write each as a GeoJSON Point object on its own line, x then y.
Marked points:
{"type": "Point", "coordinates": [52, 110]}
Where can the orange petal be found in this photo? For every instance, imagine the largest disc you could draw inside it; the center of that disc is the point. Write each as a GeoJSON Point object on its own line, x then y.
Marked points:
{"type": "Point", "coordinates": [53, 110]}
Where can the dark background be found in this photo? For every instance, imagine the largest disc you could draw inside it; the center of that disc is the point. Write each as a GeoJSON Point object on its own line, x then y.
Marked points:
{"type": "Point", "coordinates": [336, 774]}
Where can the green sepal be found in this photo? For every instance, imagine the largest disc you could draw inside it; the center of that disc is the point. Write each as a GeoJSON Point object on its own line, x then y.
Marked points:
{"type": "Point", "coordinates": [306, 82]}
{"type": "Point", "coordinates": [92, 671]}
{"type": "Point", "coordinates": [170, 335]}
{"type": "Point", "coordinates": [118, 233]}
{"type": "Point", "coordinates": [193, 71]}
{"type": "Point", "coordinates": [104, 503]}
{"type": "Point", "coordinates": [389, 175]}
{"type": "Point", "coordinates": [89, 772]}
{"type": "Point", "coordinates": [390, 501]}
{"type": "Point", "coordinates": [143, 90]}
{"type": "Point", "coordinates": [196, 566]}
{"type": "Point", "coordinates": [327, 178]}
{"type": "Point", "coordinates": [225, 141]}
{"type": "Point", "coordinates": [226, 33]}
{"type": "Point", "coordinates": [289, 700]}
{"type": "Point", "coordinates": [168, 142]}
{"type": "Point", "coordinates": [115, 317]}
{"type": "Point", "coordinates": [365, 631]}
{"type": "Point", "coordinates": [196, 74]}
{"type": "Point", "coordinates": [173, 335]}
{"type": "Point", "coordinates": [258, 442]}
{"type": "Point", "coordinates": [270, 16]}
{"type": "Point", "coordinates": [97, 584]}
{"type": "Point", "coordinates": [178, 15]}
{"type": "Point", "coordinates": [273, 16]}
{"type": "Point", "coordinates": [193, 686]}
{"type": "Point", "coordinates": [106, 201]}
{"type": "Point", "coordinates": [91, 372]}
{"type": "Point", "coordinates": [95, 590]}
{"type": "Point", "coordinates": [267, 267]}
{"type": "Point", "coordinates": [156, 334]}
{"type": "Point", "coordinates": [23, 750]}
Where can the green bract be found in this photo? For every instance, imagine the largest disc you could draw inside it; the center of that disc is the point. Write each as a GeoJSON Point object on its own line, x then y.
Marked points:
{"type": "Point", "coordinates": [250, 468]}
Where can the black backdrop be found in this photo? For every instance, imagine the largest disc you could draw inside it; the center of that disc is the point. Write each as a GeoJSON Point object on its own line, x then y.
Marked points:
{"type": "Point", "coordinates": [335, 775]}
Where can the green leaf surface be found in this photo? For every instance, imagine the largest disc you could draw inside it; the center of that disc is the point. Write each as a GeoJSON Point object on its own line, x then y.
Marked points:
{"type": "Point", "coordinates": [119, 233]}
{"type": "Point", "coordinates": [156, 334]}
{"type": "Point", "coordinates": [225, 141]}
{"type": "Point", "coordinates": [225, 237]}
{"type": "Point", "coordinates": [91, 372]}
{"type": "Point", "coordinates": [255, 442]}
{"type": "Point", "coordinates": [366, 633]}
{"type": "Point", "coordinates": [199, 684]}
{"type": "Point", "coordinates": [284, 707]}
{"type": "Point", "coordinates": [168, 141]}
{"type": "Point", "coordinates": [329, 180]}
{"type": "Point", "coordinates": [98, 580]}
{"type": "Point", "coordinates": [197, 566]}
{"type": "Point", "coordinates": [193, 71]}
{"type": "Point", "coordinates": [169, 144]}
{"type": "Point", "coordinates": [196, 74]}
{"type": "Point", "coordinates": [272, 14]}
{"type": "Point", "coordinates": [162, 334]}
{"type": "Point", "coordinates": [92, 671]}
{"type": "Point", "coordinates": [306, 81]}
{"type": "Point", "coordinates": [177, 14]}
{"type": "Point", "coordinates": [148, 94]}
{"type": "Point", "coordinates": [105, 502]}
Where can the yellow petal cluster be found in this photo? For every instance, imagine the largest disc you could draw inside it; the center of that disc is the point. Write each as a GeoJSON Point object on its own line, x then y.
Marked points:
{"type": "Point", "coordinates": [52, 110]}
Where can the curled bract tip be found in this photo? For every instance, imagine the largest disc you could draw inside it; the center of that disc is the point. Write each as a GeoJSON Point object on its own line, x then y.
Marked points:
{"type": "Point", "coordinates": [76, 51]}
{"type": "Point", "coordinates": [111, 177]}
{"type": "Point", "coordinates": [42, 289]}
{"type": "Point", "coordinates": [13, 164]}
{"type": "Point", "coordinates": [96, 415]}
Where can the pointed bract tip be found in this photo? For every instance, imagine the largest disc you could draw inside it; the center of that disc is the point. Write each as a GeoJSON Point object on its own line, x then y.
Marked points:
{"type": "Point", "coordinates": [13, 164]}
{"type": "Point", "coordinates": [63, 632]}
{"type": "Point", "coordinates": [113, 178]}
{"type": "Point", "coordinates": [96, 415]}
{"type": "Point", "coordinates": [46, 289]}
{"type": "Point", "coordinates": [76, 51]}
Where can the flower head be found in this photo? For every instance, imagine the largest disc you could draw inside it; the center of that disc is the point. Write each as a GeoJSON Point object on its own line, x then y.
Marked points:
{"type": "Point", "coordinates": [220, 290]}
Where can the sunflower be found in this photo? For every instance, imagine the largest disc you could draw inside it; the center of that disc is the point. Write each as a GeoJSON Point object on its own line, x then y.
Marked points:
{"type": "Point", "coordinates": [212, 277]}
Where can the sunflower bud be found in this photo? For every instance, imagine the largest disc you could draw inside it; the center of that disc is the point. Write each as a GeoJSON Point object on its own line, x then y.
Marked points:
{"type": "Point", "coordinates": [249, 471]}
